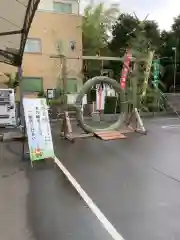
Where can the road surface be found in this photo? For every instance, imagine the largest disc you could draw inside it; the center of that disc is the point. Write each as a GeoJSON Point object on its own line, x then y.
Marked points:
{"type": "Point", "coordinates": [135, 183]}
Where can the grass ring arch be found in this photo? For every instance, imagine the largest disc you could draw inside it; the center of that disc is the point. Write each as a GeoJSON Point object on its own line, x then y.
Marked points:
{"type": "Point", "coordinates": [86, 87]}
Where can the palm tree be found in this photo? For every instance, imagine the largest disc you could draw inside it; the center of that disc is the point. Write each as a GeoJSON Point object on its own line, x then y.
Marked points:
{"type": "Point", "coordinates": [97, 24]}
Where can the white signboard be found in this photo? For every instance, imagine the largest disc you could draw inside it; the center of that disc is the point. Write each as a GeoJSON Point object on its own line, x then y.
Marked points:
{"type": "Point", "coordinates": [84, 102]}
{"type": "Point", "coordinates": [100, 97]}
{"type": "Point", "coordinates": [38, 128]}
{"type": "Point", "coordinates": [51, 93]}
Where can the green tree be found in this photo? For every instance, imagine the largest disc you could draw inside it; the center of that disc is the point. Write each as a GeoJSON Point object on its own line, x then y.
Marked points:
{"type": "Point", "coordinates": [124, 30]}
{"type": "Point", "coordinates": [96, 27]}
{"type": "Point", "coordinates": [143, 38]}
{"type": "Point", "coordinates": [120, 33]}
{"type": "Point", "coordinates": [170, 40]}
{"type": "Point", "coordinates": [124, 34]}
{"type": "Point", "coordinates": [176, 26]}
{"type": "Point", "coordinates": [167, 42]}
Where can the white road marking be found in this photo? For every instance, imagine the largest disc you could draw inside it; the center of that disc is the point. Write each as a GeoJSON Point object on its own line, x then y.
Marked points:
{"type": "Point", "coordinates": [104, 221]}
{"type": "Point", "coordinates": [172, 118]}
{"type": "Point", "coordinates": [170, 126]}
{"type": "Point", "coordinates": [164, 119]}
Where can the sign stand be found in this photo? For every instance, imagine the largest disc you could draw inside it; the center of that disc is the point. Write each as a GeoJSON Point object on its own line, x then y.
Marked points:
{"type": "Point", "coordinates": [38, 130]}
{"type": "Point", "coordinates": [25, 155]}
{"type": "Point", "coordinates": [67, 132]}
{"type": "Point", "coordinates": [23, 143]}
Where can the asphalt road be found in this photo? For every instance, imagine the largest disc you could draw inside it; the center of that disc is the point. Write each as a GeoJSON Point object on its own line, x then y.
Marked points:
{"type": "Point", "coordinates": [14, 188]}
{"type": "Point", "coordinates": [135, 182]}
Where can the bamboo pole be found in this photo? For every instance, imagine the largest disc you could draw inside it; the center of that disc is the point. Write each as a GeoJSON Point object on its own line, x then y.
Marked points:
{"type": "Point", "coordinates": [147, 73]}
{"type": "Point", "coordinates": [100, 58]}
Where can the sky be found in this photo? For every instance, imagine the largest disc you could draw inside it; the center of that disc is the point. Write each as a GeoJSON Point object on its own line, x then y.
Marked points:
{"type": "Point", "coordinates": [162, 11]}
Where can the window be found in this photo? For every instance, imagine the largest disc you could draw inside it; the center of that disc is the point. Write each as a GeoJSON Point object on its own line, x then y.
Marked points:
{"type": "Point", "coordinates": [32, 84]}
{"type": "Point", "coordinates": [72, 85]}
{"type": "Point", "coordinates": [61, 7]}
{"type": "Point", "coordinates": [33, 46]}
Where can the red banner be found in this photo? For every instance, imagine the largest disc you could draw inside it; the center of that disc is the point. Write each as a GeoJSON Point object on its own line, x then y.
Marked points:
{"type": "Point", "coordinates": [100, 95]}
{"type": "Point", "coordinates": [125, 70]}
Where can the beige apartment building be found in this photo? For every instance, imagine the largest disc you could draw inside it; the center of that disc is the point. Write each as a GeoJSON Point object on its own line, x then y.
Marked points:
{"type": "Point", "coordinates": [56, 29]}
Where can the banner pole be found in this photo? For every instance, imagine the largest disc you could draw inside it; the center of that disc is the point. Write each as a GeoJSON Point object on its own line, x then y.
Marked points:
{"type": "Point", "coordinates": [22, 121]}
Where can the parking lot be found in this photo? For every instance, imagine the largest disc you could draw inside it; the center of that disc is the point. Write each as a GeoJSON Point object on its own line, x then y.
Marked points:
{"type": "Point", "coordinates": [134, 183]}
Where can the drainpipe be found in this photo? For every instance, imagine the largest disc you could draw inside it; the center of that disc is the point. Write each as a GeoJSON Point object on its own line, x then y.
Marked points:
{"type": "Point", "coordinates": [21, 96]}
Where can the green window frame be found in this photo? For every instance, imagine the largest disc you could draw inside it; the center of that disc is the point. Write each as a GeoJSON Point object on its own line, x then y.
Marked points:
{"type": "Point", "coordinates": [32, 84]}
{"type": "Point", "coordinates": [72, 85]}
{"type": "Point", "coordinates": [61, 7]}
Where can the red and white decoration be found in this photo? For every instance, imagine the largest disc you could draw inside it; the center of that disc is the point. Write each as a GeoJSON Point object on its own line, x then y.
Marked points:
{"type": "Point", "coordinates": [100, 97]}
{"type": "Point", "coordinates": [125, 70]}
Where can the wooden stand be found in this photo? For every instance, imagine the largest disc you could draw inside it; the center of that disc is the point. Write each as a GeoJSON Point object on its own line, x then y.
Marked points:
{"type": "Point", "coordinates": [110, 135]}
{"type": "Point", "coordinates": [66, 130]}
{"type": "Point", "coordinates": [135, 122]}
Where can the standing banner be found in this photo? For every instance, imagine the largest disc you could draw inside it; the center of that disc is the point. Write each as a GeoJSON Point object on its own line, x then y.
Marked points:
{"type": "Point", "coordinates": [100, 97]}
{"type": "Point", "coordinates": [156, 70]}
{"type": "Point", "coordinates": [38, 128]}
{"type": "Point", "coordinates": [125, 69]}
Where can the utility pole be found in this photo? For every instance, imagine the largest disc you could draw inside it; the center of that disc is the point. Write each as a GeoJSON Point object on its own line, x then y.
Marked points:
{"type": "Point", "coordinates": [175, 68]}
{"type": "Point", "coordinates": [78, 7]}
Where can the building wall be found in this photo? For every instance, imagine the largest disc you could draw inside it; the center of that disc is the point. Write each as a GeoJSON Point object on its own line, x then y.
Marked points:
{"type": "Point", "coordinates": [53, 29]}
